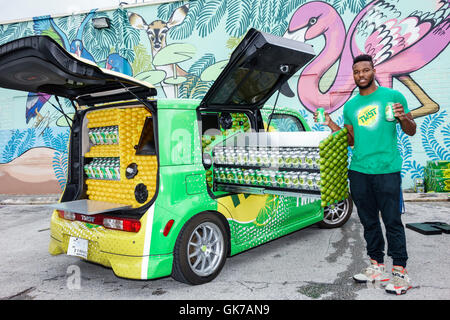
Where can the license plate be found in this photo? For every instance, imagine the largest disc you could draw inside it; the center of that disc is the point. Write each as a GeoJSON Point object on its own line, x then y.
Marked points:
{"type": "Point", "coordinates": [78, 247]}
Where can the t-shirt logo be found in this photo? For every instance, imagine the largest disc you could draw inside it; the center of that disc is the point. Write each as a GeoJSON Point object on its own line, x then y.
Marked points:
{"type": "Point", "coordinates": [368, 115]}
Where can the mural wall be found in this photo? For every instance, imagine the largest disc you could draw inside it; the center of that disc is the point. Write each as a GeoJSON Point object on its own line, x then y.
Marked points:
{"type": "Point", "coordinates": [180, 47]}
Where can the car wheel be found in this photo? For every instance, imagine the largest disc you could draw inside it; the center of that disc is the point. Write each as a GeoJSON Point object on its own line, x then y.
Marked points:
{"type": "Point", "coordinates": [336, 215]}
{"type": "Point", "coordinates": [200, 250]}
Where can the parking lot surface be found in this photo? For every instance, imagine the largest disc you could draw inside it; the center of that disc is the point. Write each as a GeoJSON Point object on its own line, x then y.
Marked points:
{"type": "Point", "coordinates": [311, 264]}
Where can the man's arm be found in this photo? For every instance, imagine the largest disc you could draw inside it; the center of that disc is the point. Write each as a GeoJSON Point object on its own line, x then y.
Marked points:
{"type": "Point", "coordinates": [334, 127]}
{"type": "Point", "coordinates": [406, 120]}
{"type": "Point", "coordinates": [350, 135]}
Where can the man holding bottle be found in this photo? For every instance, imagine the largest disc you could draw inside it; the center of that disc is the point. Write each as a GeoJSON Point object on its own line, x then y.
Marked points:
{"type": "Point", "coordinates": [374, 173]}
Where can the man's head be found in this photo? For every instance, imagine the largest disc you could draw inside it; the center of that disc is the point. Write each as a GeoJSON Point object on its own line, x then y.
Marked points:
{"type": "Point", "coordinates": [363, 71]}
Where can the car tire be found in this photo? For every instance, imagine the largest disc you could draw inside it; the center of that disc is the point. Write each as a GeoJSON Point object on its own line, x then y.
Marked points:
{"type": "Point", "coordinates": [337, 215]}
{"type": "Point", "coordinates": [200, 250]}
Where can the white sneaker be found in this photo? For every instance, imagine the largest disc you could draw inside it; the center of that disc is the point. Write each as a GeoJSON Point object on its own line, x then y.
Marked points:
{"type": "Point", "coordinates": [400, 282]}
{"type": "Point", "coordinates": [374, 273]}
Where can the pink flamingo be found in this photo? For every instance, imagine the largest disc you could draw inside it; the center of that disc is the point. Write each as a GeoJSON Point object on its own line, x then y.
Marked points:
{"type": "Point", "coordinates": [398, 47]}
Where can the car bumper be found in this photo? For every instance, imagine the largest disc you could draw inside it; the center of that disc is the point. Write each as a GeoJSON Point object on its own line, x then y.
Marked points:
{"type": "Point", "coordinates": [122, 251]}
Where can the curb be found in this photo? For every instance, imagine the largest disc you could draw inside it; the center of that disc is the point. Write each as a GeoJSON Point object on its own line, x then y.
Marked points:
{"type": "Point", "coordinates": [426, 197]}
{"type": "Point", "coordinates": [28, 199]}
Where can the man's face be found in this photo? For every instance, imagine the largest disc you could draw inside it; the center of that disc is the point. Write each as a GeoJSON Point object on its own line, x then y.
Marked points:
{"type": "Point", "coordinates": [363, 74]}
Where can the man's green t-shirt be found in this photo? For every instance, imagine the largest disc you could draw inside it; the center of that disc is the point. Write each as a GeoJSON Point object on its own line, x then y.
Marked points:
{"type": "Point", "coordinates": [375, 150]}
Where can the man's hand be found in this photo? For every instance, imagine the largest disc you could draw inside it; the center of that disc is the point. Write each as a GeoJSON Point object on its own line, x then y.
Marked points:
{"type": "Point", "coordinates": [328, 122]}
{"type": "Point", "coordinates": [399, 111]}
{"type": "Point", "coordinates": [327, 118]}
{"type": "Point", "coordinates": [406, 120]}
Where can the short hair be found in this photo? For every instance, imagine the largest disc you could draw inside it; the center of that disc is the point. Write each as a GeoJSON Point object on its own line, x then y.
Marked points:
{"type": "Point", "coordinates": [363, 57]}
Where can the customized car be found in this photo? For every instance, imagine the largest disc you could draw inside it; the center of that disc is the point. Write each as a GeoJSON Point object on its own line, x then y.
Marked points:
{"type": "Point", "coordinates": [144, 195]}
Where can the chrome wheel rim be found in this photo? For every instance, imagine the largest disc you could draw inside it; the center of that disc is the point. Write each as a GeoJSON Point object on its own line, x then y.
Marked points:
{"type": "Point", "coordinates": [335, 213]}
{"type": "Point", "coordinates": [205, 249]}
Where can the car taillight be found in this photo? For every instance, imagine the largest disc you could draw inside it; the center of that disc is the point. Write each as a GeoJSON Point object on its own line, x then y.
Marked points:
{"type": "Point", "coordinates": [123, 224]}
{"type": "Point", "coordinates": [66, 215]}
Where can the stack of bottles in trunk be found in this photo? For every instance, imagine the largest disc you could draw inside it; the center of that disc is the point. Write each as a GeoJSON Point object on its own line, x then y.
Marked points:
{"type": "Point", "coordinates": [113, 133]}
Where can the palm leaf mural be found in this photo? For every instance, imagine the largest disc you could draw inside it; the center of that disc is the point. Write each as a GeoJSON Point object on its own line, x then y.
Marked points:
{"type": "Point", "coordinates": [14, 142]}
{"type": "Point", "coordinates": [27, 142]}
{"type": "Point", "coordinates": [59, 164]}
{"type": "Point", "coordinates": [188, 26]}
{"type": "Point", "coordinates": [119, 38]}
{"type": "Point", "coordinates": [446, 134]}
{"type": "Point", "coordinates": [269, 16]}
{"type": "Point", "coordinates": [413, 167]}
{"type": "Point", "coordinates": [239, 17]}
{"type": "Point", "coordinates": [200, 65]}
{"type": "Point", "coordinates": [432, 147]}
{"type": "Point", "coordinates": [14, 31]}
{"type": "Point", "coordinates": [194, 87]}
{"type": "Point", "coordinates": [143, 60]}
{"type": "Point", "coordinates": [210, 16]}
{"type": "Point", "coordinates": [60, 157]}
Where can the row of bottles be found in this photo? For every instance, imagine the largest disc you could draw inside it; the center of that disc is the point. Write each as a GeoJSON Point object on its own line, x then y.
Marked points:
{"type": "Point", "coordinates": [295, 158]}
{"type": "Point", "coordinates": [103, 169]}
{"type": "Point", "coordinates": [104, 135]}
{"type": "Point", "coordinates": [270, 178]}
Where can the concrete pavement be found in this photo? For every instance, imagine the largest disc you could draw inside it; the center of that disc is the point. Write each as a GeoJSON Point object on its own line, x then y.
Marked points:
{"type": "Point", "coordinates": [310, 264]}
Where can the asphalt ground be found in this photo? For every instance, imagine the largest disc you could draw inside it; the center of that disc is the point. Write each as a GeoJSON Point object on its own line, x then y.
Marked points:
{"type": "Point", "coordinates": [310, 264]}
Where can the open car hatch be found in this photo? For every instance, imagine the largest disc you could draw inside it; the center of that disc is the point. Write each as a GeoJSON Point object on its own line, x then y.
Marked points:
{"type": "Point", "coordinates": [258, 67]}
{"type": "Point", "coordinates": [40, 64]}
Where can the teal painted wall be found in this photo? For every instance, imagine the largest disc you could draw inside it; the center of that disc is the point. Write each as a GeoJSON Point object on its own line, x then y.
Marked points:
{"type": "Point", "coordinates": [181, 46]}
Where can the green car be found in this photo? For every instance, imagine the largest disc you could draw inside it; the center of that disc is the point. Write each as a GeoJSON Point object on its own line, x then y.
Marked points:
{"type": "Point", "coordinates": [165, 187]}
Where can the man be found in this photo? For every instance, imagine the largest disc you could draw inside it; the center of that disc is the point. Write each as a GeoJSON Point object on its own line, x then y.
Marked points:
{"type": "Point", "coordinates": [374, 173]}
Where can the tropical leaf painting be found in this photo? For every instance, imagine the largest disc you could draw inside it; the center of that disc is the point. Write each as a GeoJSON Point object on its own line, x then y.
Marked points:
{"type": "Point", "coordinates": [143, 60]}
{"type": "Point", "coordinates": [60, 157]}
{"type": "Point", "coordinates": [240, 15]}
{"type": "Point", "coordinates": [194, 87]}
{"type": "Point", "coordinates": [9, 151]}
{"type": "Point", "coordinates": [430, 143]}
{"type": "Point", "coordinates": [119, 38]}
{"type": "Point", "coordinates": [14, 31]}
{"type": "Point", "coordinates": [209, 21]}
{"type": "Point", "coordinates": [59, 164]}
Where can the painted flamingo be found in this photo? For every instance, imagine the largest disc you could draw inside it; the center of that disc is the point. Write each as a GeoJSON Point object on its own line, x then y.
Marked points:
{"type": "Point", "coordinates": [399, 47]}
